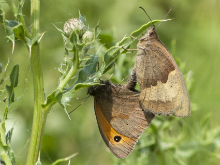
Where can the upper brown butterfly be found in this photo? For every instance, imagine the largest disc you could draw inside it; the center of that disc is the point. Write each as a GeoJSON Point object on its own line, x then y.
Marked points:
{"type": "Point", "coordinates": [120, 119]}
{"type": "Point", "coordinates": [163, 90]}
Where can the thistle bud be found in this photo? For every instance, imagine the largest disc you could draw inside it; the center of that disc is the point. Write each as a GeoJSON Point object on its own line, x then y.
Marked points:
{"type": "Point", "coordinates": [88, 36]}
{"type": "Point", "coordinates": [74, 24]}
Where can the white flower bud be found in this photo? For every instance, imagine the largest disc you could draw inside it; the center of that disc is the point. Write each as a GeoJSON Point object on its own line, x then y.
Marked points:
{"type": "Point", "coordinates": [88, 36]}
{"type": "Point", "coordinates": [74, 24]}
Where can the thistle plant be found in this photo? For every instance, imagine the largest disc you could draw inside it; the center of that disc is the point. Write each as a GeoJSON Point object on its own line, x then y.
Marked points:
{"type": "Point", "coordinates": [80, 69]}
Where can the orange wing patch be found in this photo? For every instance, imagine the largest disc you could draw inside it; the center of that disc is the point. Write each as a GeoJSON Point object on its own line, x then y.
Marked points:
{"type": "Point", "coordinates": [121, 146]}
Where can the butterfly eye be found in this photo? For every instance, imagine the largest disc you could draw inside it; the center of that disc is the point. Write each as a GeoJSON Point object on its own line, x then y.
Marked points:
{"type": "Point", "coordinates": [117, 138]}
{"type": "Point", "coordinates": [151, 33]}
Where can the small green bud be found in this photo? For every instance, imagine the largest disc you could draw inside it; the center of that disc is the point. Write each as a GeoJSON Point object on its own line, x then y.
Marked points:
{"type": "Point", "coordinates": [74, 24]}
{"type": "Point", "coordinates": [88, 36]}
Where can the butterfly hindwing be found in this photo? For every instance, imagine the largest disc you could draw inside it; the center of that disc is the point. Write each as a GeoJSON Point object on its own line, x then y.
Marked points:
{"type": "Point", "coordinates": [120, 119]}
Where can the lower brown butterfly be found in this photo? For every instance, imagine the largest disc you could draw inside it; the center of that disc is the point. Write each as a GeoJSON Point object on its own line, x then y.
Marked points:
{"type": "Point", "coordinates": [120, 119]}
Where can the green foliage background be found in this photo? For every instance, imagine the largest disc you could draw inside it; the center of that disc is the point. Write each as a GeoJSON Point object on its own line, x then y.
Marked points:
{"type": "Point", "coordinates": [195, 32]}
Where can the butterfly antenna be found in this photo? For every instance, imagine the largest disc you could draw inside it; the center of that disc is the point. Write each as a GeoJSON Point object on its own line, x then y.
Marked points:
{"type": "Point", "coordinates": [146, 14]}
{"type": "Point", "coordinates": [112, 72]}
{"type": "Point", "coordinates": [165, 16]}
{"type": "Point", "coordinates": [79, 105]}
{"type": "Point", "coordinates": [81, 98]}
{"type": "Point", "coordinates": [124, 79]}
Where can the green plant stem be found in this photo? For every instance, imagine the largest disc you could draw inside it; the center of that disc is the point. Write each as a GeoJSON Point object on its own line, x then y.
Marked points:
{"type": "Point", "coordinates": [39, 116]}
{"type": "Point", "coordinates": [12, 6]}
{"type": "Point", "coordinates": [35, 16]}
{"type": "Point", "coordinates": [3, 154]}
{"type": "Point", "coordinates": [71, 72]}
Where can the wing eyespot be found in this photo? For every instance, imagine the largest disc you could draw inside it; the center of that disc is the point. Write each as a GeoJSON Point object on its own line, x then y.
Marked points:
{"type": "Point", "coordinates": [117, 138]}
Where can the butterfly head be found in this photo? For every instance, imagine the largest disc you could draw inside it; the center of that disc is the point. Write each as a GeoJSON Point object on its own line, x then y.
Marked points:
{"type": "Point", "coordinates": [151, 34]}
{"type": "Point", "coordinates": [97, 90]}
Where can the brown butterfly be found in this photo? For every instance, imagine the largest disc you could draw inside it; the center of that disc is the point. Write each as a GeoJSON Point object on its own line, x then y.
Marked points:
{"type": "Point", "coordinates": [120, 119]}
{"type": "Point", "coordinates": [163, 90]}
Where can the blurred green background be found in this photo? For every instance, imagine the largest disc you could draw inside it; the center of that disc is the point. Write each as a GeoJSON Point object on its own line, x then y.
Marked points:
{"type": "Point", "coordinates": [194, 28]}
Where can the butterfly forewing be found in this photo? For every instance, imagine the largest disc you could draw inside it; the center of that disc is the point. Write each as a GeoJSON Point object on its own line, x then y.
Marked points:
{"type": "Point", "coordinates": [163, 90]}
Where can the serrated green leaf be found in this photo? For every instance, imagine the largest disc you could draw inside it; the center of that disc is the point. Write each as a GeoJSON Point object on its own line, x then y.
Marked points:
{"type": "Point", "coordinates": [14, 82]}
{"type": "Point", "coordinates": [84, 56]}
{"type": "Point", "coordinates": [96, 31]}
{"type": "Point", "coordinates": [60, 30]}
{"type": "Point", "coordinates": [88, 71]}
{"type": "Point", "coordinates": [9, 135]}
{"type": "Point", "coordinates": [11, 23]}
{"type": "Point", "coordinates": [64, 98]}
{"type": "Point", "coordinates": [67, 43]}
{"type": "Point", "coordinates": [31, 42]}
{"type": "Point", "coordinates": [19, 32]}
{"type": "Point", "coordinates": [85, 79]}
{"type": "Point", "coordinates": [83, 19]}
{"type": "Point", "coordinates": [80, 47]}
{"type": "Point", "coordinates": [10, 33]}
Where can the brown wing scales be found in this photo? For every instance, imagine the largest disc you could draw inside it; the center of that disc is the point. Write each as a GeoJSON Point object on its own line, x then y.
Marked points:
{"type": "Point", "coordinates": [163, 90]}
{"type": "Point", "coordinates": [120, 119]}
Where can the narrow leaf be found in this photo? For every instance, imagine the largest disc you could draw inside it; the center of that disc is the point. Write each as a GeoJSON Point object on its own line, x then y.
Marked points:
{"type": "Point", "coordinates": [143, 28]}
{"type": "Point", "coordinates": [14, 82]}
{"type": "Point", "coordinates": [64, 159]}
{"type": "Point", "coordinates": [9, 135]}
